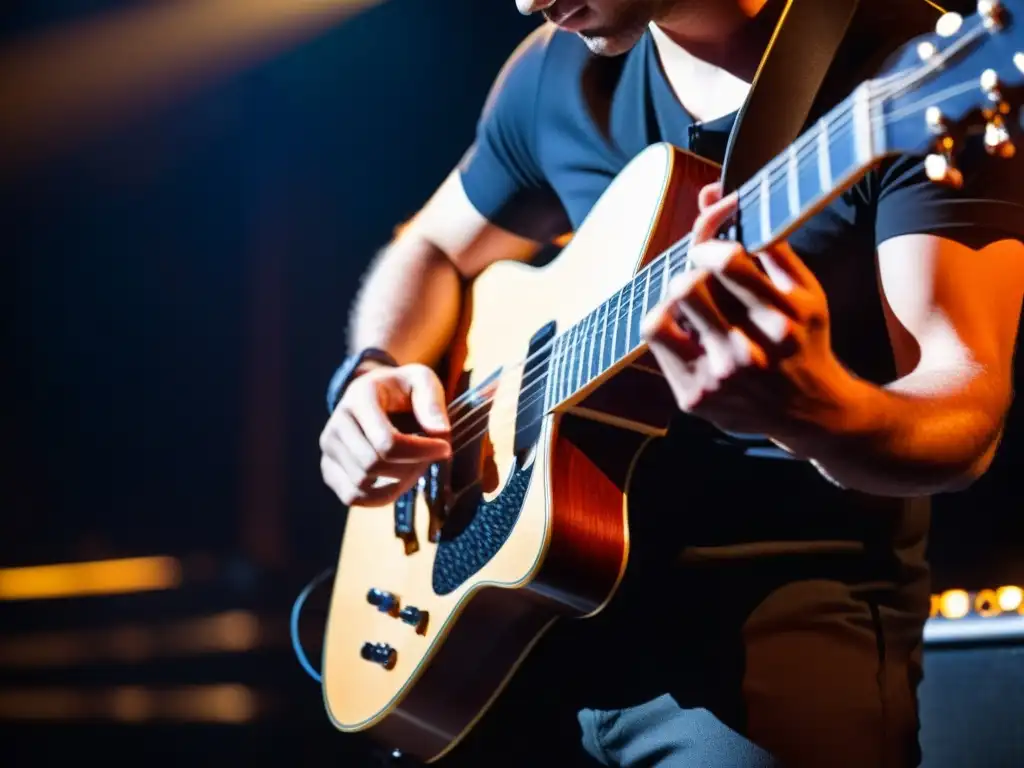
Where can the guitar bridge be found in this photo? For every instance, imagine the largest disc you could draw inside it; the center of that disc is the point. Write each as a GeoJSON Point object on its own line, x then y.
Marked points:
{"type": "Point", "coordinates": [438, 492]}
{"type": "Point", "coordinates": [404, 530]}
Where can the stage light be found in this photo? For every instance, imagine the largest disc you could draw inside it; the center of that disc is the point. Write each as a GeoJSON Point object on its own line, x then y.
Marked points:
{"type": "Point", "coordinates": [954, 604]}
{"type": "Point", "coordinates": [103, 577]}
{"type": "Point", "coordinates": [1010, 599]}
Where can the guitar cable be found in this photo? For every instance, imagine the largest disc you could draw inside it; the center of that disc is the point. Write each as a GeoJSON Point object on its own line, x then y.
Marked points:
{"type": "Point", "coordinates": [300, 601]}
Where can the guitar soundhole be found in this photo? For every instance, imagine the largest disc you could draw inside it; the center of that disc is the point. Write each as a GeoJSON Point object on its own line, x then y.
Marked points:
{"type": "Point", "coordinates": [474, 530]}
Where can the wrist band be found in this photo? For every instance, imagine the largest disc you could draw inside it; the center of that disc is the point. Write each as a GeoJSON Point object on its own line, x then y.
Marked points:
{"type": "Point", "coordinates": [343, 376]}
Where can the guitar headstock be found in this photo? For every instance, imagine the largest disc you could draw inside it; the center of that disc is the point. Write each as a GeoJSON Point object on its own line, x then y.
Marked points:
{"type": "Point", "coordinates": [964, 79]}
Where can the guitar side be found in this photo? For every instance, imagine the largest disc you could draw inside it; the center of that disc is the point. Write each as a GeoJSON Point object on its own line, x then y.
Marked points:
{"type": "Point", "coordinates": [544, 534]}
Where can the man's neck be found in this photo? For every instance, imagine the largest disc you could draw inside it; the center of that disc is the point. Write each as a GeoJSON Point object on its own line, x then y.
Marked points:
{"type": "Point", "coordinates": [731, 35]}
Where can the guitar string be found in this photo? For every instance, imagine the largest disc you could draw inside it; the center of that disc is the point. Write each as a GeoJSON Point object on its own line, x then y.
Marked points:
{"type": "Point", "coordinates": [886, 87]}
{"type": "Point", "coordinates": [465, 431]}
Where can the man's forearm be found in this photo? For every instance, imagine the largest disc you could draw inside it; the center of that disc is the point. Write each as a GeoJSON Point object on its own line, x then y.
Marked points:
{"type": "Point", "coordinates": [409, 304]}
{"type": "Point", "coordinates": [919, 436]}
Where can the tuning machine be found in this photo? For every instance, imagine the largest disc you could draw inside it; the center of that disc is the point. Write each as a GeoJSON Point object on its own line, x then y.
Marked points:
{"type": "Point", "coordinates": [991, 13]}
{"type": "Point", "coordinates": [939, 166]}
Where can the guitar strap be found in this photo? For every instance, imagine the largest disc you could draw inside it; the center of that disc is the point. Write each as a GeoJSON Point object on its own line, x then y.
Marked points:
{"type": "Point", "coordinates": [786, 84]}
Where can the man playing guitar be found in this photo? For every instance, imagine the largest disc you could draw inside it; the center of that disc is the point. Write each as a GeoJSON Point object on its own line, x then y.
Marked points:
{"type": "Point", "coordinates": [877, 344]}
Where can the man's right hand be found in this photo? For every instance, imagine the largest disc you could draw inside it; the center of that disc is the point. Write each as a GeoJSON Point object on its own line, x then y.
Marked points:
{"type": "Point", "coordinates": [360, 446]}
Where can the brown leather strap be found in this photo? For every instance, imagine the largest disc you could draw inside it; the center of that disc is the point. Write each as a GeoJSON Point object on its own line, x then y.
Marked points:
{"type": "Point", "coordinates": [787, 81]}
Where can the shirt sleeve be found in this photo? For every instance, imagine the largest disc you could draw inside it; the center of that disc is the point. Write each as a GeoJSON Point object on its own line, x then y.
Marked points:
{"type": "Point", "coordinates": [501, 172]}
{"type": "Point", "coordinates": [988, 207]}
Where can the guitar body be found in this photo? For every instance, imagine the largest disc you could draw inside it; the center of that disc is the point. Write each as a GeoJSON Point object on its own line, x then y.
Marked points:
{"type": "Point", "coordinates": [537, 528]}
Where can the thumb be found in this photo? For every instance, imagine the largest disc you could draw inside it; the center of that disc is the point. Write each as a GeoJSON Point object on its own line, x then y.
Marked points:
{"type": "Point", "coordinates": [427, 399]}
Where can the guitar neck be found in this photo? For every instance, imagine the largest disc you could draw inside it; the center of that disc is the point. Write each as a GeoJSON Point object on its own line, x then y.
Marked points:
{"type": "Point", "coordinates": [786, 192]}
{"type": "Point", "coordinates": [821, 164]}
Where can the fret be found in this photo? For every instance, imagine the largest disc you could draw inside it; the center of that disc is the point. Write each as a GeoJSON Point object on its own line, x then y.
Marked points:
{"type": "Point", "coordinates": [600, 321]}
{"type": "Point", "coordinates": [571, 353]}
{"type": "Point", "coordinates": [629, 318]}
{"type": "Point", "coordinates": [779, 213]}
{"type": "Point", "coordinates": [842, 149]}
{"type": "Point", "coordinates": [588, 333]}
{"type": "Point", "coordinates": [764, 200]}
{"type": "Point", "coordinates": [613, 324]}
{"type": "Point", "coordinates": [809, 172]}
{"type": "Point", "coordinates": [581, 359]}
{"type": "Point", "coordinates": [608, 335]}
{"type": "Point", "coordinates": [793, 180]}
{"type": "Point", "coordinates": [654, 278]}
{"type": "Point", "coordinates": [637, 302]}
{"type": "Point", "coordinates": [863, 135]}
{"type": "Point", "coordinates": [824, 166]}
{"type": "Point", "coordinates": [554, 365]}
{"type": "Point", "coordinates": [621, 325]}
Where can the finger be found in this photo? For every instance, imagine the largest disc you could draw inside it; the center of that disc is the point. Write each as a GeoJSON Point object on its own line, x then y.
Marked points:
{"type": "Point", "coordinates": [711, 220]}
{"type": "Point", "coordinates": [764, 304]}
{"type": "Point", "coordinates": [745, 351]}
{"type": "Point", "coordinates": [693, 299]}
{"type": "Point", "coordinates": [377, 494]}
{"type": "Point", "coordinates": [352, 451]}
{"type": "Point", "coordinates": [350, 442]}
{"type": "Point", "coordinates": [709, 195]}
{"type": "Point", "coordinates": [660, 329]}
{"type": "Point", "coordinates": [389, 491]}
{"type": "Point", "coordinates": [786, 269]}
{"type": "Point", "coordinates": [389, 443]}
{"type": "Point", "coordinates": [338, 480]}
{"type": "Point", "coordinates": [428, 401]}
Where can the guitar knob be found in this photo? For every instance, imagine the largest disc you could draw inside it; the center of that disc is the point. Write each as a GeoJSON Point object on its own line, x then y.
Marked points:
{"type": "Point", "coordinates": [413, 616]}
{"type": "Point", "coordinates": [379, 653]}
{"type": "Point", "coordinates": [941, 170]}
{"type": "Point", "coordinates": [997, 141]}
{"type": "Point", "coordinates": [385, 602]}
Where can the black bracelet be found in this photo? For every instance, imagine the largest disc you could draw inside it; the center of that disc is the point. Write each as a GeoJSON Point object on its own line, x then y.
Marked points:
{"type": "Point", "coordinates": [343, 376]}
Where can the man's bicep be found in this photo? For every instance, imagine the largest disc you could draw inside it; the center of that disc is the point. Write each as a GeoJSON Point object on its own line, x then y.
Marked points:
{"type": "Point", "coordinates": [451, 223]}
{"type": "Point", "coordinates": [952, 308]}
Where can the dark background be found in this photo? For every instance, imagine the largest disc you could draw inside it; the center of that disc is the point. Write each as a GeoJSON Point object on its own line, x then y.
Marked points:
{"type": "Point", "coordinates": [175, 296]}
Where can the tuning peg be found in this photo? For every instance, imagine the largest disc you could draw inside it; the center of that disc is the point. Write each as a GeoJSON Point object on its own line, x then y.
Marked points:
{"type": "Point", "coordinates": [991, 12]}
{"type": "Point", "coordinates": [940, 169]}
{"type": "Point", "coordinates": [949, 24]}
{"type": "Point", "coordinates": [997, 140]}
{"type": "Point", "coordinates": [935, 120]}
{"type": "Point", "coordinates": [990, 85]}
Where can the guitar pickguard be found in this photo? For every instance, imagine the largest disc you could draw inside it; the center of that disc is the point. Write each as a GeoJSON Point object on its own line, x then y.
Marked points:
{"type": "Point", "coordinates": [474, 530]}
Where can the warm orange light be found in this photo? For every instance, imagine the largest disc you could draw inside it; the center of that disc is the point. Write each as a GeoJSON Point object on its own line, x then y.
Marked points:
{"type": "Point", "coordinates": [1010, 598]}
{"type": "Point", "coordinates": [104, 577]}
{"type": "Point", "coordinates": [954, 604]}
{"type": "Point", "coordinates": [227, 632]}
{"type": "Point", "coordinates": [63, 86]}
{"type": "Point", "coordinates": [986, 604]}
{"type": "Point", "coordinates": [228, 703]}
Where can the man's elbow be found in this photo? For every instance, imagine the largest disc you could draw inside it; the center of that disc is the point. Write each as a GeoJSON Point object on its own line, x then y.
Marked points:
{"type": "Point", "coordinates": [979, 458]}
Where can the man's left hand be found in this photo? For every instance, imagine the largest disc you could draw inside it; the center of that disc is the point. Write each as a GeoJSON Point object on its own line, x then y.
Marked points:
{"type": "Point", "coordinates": [744, 346]}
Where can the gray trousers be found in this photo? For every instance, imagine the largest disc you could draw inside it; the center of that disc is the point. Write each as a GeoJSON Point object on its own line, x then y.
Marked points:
{"type": "Point", "coordinates": [661, 733]}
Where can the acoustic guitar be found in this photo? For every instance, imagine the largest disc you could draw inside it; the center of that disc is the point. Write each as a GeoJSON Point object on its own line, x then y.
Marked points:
{"type": "Point", "coordinates": [552, 396]}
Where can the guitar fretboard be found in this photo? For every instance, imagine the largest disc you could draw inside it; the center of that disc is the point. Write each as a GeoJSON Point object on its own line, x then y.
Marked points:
{"type": "Point", "coordinates": [771, 205]}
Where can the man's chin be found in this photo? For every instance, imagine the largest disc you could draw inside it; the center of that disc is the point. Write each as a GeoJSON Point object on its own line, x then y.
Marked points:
{"type": "Point", "coordinates": [604, 44]}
